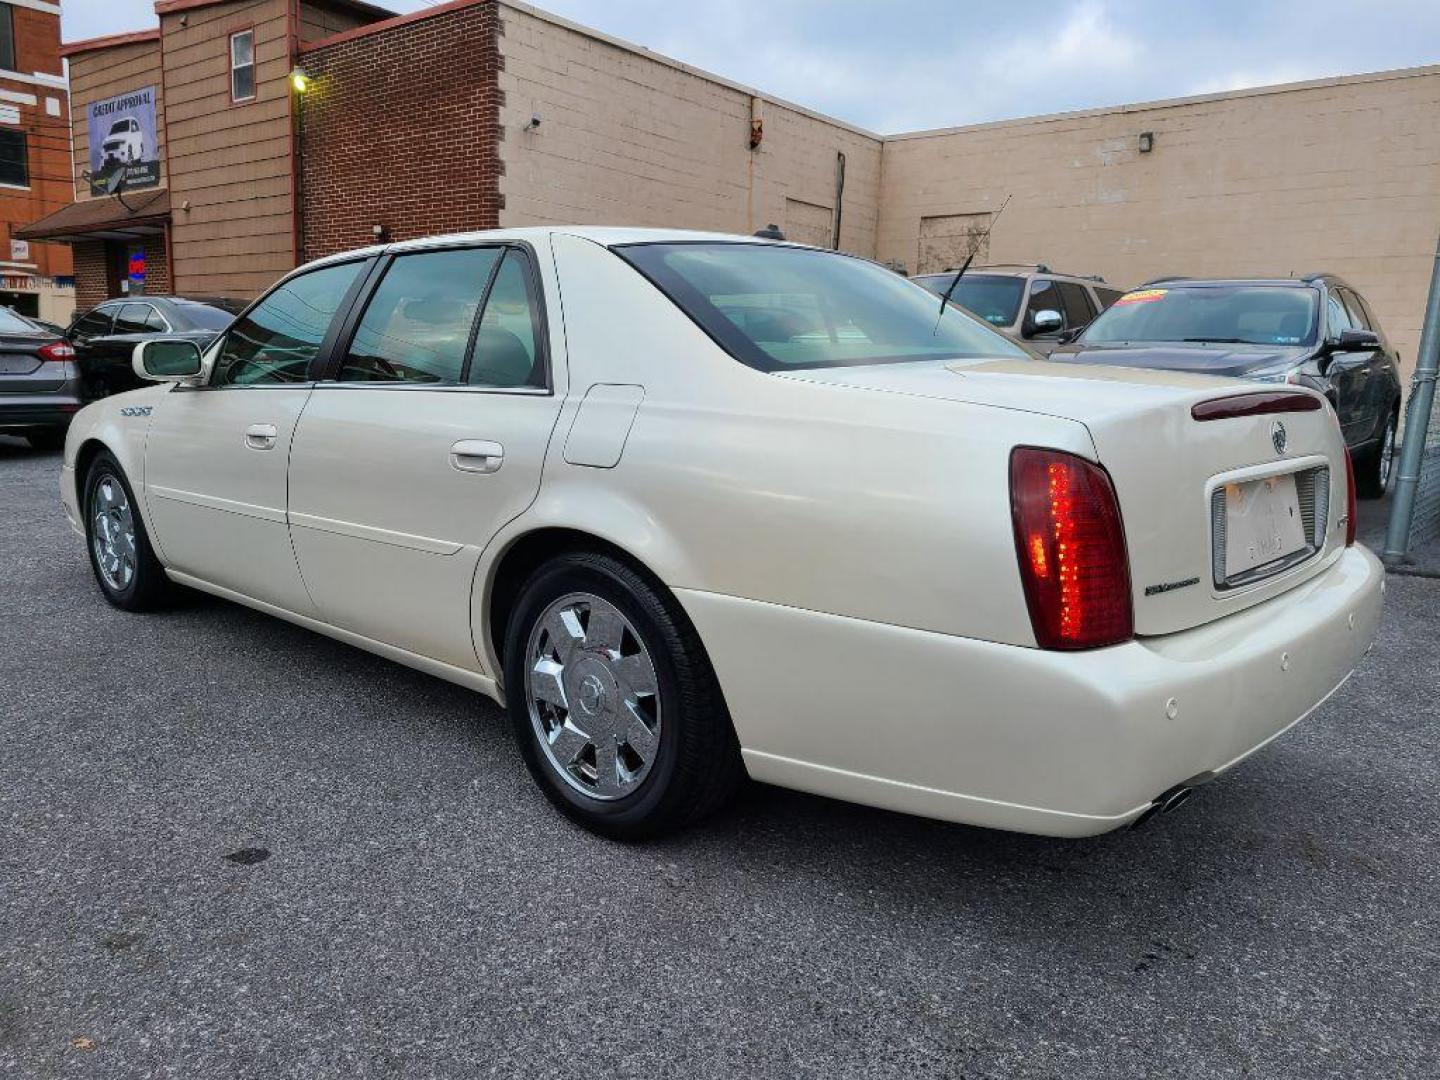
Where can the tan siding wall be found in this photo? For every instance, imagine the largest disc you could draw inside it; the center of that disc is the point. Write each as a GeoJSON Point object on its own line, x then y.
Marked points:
{"type": "Point", "coordinates": [628, 139]}
{"type": "Point", "coordinates": [320, 20]}
{"type": "Point", "coordinates": [1342, 176]}
{"type": "Point", "coordinates": [231, 162]}
{"type": "Point", "coordinates": [105, 73]}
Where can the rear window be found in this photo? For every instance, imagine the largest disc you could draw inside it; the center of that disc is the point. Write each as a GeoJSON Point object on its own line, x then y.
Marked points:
{"type": "Point", "coordinates": [204, 316]}
{"type": "Point", "coordinates": [777, 308]}
{"type": "Point", "coordinates": [11, 323]}
{"type": "Point", "coordinates": [1239, 314]}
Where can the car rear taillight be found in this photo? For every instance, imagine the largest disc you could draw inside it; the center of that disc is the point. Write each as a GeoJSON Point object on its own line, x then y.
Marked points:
{"type": "Point", "coordinates": [1350, 515]}
{"type": "Point", "coordinates": [56, 351]}
{"type": "Point", "coordinates": [1071, 545]}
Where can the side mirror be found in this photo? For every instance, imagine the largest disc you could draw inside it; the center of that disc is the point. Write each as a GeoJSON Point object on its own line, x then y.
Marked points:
{"type": "Point", "coordinates": [1046, 321]}
{"type": "Point", "coordinates": [167, 360]}
{"type": "Point", "coordinates": [1356, 341]}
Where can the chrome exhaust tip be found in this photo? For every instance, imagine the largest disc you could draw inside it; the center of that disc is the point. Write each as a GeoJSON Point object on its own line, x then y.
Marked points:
{"type": "Point", "coordinates": [1164, 803]}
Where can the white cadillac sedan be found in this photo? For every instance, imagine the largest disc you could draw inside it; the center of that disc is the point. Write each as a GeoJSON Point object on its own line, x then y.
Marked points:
{"type": "Point", "coordinates": [696, 506]}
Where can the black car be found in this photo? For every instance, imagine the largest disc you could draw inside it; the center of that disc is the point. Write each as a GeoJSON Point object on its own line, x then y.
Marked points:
{"type": "Point", "coordinates": [1314, 331]}
{"type": "Point", "coordinates": [105, 337]}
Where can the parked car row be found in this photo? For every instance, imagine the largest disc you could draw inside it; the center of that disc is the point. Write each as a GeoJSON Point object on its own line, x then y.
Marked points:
{"type": "Point", "coordinates": [1029, 302]}
{"type": "Point", "coordinates": [699, 506]}
{"type": "Point", "coordinates": [1314, 331]}
{"type": "Point", "coordinates": [47, 374]}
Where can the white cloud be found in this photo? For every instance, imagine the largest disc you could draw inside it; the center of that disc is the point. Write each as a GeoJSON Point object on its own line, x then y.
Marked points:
{"type": "Point", "coordinates": [1247, 77]}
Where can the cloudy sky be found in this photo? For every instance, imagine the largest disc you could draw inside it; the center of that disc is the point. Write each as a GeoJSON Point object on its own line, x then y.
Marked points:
{"type": "Point", "coordinates": [904, 66]}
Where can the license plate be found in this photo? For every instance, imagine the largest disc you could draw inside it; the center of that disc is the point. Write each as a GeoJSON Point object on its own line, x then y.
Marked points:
{"type": "Point", "coordinates": [18, 363]}
{"type": "Point", "coordinates": [1262, 523]}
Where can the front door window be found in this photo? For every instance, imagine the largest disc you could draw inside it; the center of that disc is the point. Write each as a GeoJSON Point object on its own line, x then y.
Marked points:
{"type": "Point", "coordinates": [277, 340]}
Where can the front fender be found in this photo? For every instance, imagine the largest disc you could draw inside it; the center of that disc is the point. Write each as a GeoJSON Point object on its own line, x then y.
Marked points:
{"type": "Point", "coordinates": [119, 424]}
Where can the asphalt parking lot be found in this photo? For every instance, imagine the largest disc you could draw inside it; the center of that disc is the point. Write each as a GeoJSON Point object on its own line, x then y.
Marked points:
{"type": "Point", "coordinates": [232, 848]}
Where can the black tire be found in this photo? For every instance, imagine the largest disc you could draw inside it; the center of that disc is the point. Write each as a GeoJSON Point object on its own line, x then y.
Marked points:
{"type": "Point", "coordinates": [1373, 472]}
{"type": "Point", "coordinates": [697, 766]}
{"type": "Point", "coordinates": [148, 588]}
{"type": "Point", "coordinates": [51, 438]}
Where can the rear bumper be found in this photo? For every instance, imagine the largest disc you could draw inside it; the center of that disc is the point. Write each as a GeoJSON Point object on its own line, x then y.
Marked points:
{"type": "Point", "coordinates": [38, 415]}
{"type": "Point", "coordinates": [49, 408]}
{"type": "Point", "coordinates": [1066, 744]}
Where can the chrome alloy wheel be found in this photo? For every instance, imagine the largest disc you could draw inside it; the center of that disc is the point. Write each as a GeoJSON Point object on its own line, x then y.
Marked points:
{"type": "Point", "coordinates": [593, 697]}
{"type": "Point", "coordinates": [113, 533]}
{"type": "Point", "coordinates": [1387, 457]}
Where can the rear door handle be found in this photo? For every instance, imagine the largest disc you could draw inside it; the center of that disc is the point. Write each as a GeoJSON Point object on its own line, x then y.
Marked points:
{"type": "Point", "coordinates": [260, 436]}
{"type": "Point", "coordinates": [477, 455]}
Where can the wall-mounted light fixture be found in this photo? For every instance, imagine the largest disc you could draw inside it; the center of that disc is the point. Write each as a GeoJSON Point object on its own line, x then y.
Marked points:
{"type": "Point", "coordinates": [299, 79]}
{"type": "Point", "coordinates": [1147, 141]}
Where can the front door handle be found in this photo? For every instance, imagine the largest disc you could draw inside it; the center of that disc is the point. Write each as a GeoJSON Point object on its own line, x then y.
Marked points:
{"type": "Point", "coordinates": [477, 455]}
{"type": "Point", "coordinates": [260, 436]}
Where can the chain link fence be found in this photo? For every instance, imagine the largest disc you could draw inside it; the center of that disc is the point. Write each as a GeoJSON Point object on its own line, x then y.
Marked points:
{"type": "Point", "coordinates": [1425, 524]}
{"type": "Point", "coordinates": [1412, 544]}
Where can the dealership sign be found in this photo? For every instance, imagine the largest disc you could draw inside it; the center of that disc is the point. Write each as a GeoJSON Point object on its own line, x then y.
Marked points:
{"type": "Point", "coordinates": [124, 153]}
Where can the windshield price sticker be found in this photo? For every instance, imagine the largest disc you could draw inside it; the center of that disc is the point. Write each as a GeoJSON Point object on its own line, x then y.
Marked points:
{"type": "Point", "coordinates": [1141, 296]}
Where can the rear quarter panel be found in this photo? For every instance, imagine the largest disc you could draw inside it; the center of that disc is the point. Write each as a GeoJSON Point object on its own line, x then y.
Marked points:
{"type": "Point", "coordinates": [856, 502]}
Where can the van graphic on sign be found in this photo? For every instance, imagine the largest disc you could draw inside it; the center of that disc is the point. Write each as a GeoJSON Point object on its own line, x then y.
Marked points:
{"type": "Point", "coordinates": [125, 143]}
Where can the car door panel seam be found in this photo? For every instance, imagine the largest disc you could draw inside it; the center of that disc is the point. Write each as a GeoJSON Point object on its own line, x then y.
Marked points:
{"type": "Point", "coordinates": [428, 545]}
{"type": "Point", "coordinates": [214, 502]}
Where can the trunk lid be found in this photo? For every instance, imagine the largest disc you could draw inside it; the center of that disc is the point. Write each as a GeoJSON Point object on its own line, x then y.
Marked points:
{"type": "Point", "coordinates": [21, 369]}
{"type": "Point", "coordinates": [1167, 467]}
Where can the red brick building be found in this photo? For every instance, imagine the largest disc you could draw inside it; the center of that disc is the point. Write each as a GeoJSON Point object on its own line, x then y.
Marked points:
{"type": "Point", "coordinates": [34, 157]}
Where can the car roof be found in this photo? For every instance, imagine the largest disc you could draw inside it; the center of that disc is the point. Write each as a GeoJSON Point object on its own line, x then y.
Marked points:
{"type": "Point", "coordinates": [1025, 270]}
{"type": "Point", "coordinates": [600, 234]}
{"type": "Point", "coordinates": [1309, 281]}
{"type": "Point", "coordinates": [605, 235]}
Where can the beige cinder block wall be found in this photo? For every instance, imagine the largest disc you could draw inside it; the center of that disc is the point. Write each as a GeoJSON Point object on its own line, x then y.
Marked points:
{"type": "Point", "coordinates": [627, 137]}
{"type": "Point", "coordinates": [1338, 174]}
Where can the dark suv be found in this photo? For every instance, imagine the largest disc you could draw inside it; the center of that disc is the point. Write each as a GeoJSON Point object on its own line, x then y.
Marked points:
{"type": "Point", "coordinates": [1313, 331]}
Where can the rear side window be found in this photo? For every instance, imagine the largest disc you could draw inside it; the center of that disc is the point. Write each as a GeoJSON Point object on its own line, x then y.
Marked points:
{"type": "Point", "coordinates": [776, 308]}
{"type": "Point", "coordinates": [131, 319]}
{"type": "Point", "coordinates": [1078, 309]}
{"type": "Point", "coordinates": [507, 346]}
{"type": "Point", "coordinates": [1358, 317]}
{"type": "Point", "coordinates": [416, 328]}
{"type": "Point", "coordinates": [282, 334]}
{"type": "Point", "coordinates": [465, 316]}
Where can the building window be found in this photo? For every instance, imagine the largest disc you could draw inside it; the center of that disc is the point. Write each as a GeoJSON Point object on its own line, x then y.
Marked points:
{"type": "Point", "coordinates": [7, 37]}
{"type": "Point", "coordinates": [242, 65]}
{"type": "Point", "coordinates": [14, 159]}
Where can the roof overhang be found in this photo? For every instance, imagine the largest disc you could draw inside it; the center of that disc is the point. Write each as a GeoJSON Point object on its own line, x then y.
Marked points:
{"type": "Point", "coordinates": [115, 217]}
{"type": "Point", "coordinates": [110, 41]}
{"type": "Point", "coordinates": [169, 7]}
